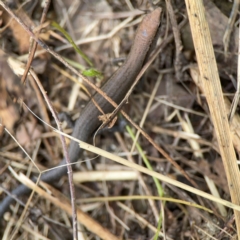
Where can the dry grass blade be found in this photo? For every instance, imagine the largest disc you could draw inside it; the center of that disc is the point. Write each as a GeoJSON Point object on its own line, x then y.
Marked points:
{"type": "Point", "coordinates": [157, 175]}
{"type": "Point", "coordinates": [65, 204]}
{"type": "Point", "coordinates": [212, 89]}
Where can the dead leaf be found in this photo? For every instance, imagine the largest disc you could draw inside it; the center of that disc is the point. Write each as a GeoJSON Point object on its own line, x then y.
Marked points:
{"type": "Point", "coordinates": [106, 118]}
{"type": "Point", "coordinates": [10, 89]}
{"type": "Point", "coordinates": [19, 33]}
{"type": "Point", "coordinates": [9, 116]}
{"type": "Point", "coordinates": [27, 133]}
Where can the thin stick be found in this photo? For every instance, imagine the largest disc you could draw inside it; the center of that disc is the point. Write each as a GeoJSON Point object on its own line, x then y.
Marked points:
{"type": "Point", "coordinates": [231, 21]}
{"type": "Point", "coordinates": [237, 94]}
{"type": "Point", "coordinates": [177, 39]}
{"type": "Point", "coordinates": [34, 45]}
{"type": "Point", "coordinates": [65, 152]}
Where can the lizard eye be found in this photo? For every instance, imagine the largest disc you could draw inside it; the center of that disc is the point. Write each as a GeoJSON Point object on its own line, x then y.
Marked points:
{"type": "Point", "coordinates": [144, 33]}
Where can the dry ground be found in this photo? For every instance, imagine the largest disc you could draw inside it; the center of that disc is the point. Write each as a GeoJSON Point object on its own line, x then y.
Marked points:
{"type": "Point", "coordinates": [169, 102]}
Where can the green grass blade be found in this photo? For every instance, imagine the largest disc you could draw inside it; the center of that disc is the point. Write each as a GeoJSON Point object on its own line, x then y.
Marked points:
{"type": "Point", "coordinates": [70, 40]}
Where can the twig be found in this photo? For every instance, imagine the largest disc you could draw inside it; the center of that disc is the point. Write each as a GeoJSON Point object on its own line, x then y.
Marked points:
{"type": "Point", "coordinates": [61, 201]}
{"type": "Point", "coordinates": [98, 38]}
{"type": "Point", "coordinates": [150, 101]}
{"type": "Point", "coordinates": [140, 176]}
{"type": "Point", "coordinates": [34, 45]}
{"type": "Point", "coordinates": [237, 94]}
{"type": "Point", "coordinates": [231, 20]}
{"type": "Point", "coordinates": [65, 152]}
{"type": "Point", "coordinates": [177, 39]}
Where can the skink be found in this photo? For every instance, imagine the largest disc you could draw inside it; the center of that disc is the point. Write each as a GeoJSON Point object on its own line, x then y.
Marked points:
{"type": "Point", "coordinates": [116, 88]}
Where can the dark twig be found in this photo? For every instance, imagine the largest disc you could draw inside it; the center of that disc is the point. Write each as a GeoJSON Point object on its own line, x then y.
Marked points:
{"type": "Point", "coordinates": [177, 39]}
{"type": "Point", "coordinates": [34, 44]}
{"type": "Point", "coordinates": [231, 21]}
{"type": "Point", "coordinates": [65, 152]}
